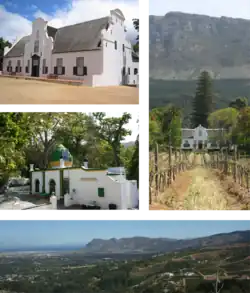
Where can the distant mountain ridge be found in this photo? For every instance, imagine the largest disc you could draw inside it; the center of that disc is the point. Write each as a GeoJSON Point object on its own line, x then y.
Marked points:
{"type": "Point", "coordinates": [149, 245]}
{"type": "Point", "coordinates": [182, 45]}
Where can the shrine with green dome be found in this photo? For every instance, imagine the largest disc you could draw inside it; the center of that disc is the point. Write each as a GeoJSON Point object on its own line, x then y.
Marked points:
{"type": "Point", "coordinates": [60, 152]}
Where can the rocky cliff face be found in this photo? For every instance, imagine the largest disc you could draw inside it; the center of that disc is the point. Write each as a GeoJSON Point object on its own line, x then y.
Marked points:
{"type": "Point", "coordinates": [149, 245]}
{"type": "Point", "coordinates": [181, 45]}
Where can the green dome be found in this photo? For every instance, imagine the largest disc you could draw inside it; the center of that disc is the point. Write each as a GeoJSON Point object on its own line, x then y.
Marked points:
{"type": "Point", "coordinates": [61, 152]}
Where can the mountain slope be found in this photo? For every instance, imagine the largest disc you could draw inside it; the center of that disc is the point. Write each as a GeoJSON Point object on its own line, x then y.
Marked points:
{"type": "Point", "coordinates": [149, 245]}
{"type": "Point", "coordinates": [181, 45]}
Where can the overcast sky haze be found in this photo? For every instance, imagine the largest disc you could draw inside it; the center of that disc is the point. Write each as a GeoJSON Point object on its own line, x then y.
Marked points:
{"type": "Point", "coordinates": [230, 8]}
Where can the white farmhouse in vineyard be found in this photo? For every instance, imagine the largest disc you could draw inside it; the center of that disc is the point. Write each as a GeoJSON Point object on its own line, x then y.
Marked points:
{"type": "Point", "coordinates": [95, 52]}
{"type": "Point", "coordinates": [201, 138]}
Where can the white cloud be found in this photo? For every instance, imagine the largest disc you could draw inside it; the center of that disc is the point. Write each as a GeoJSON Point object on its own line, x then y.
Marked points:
{"type": "Point", "coordinates": [230, 8]}
{"type": "Point", "coordinates": [13, 25]}
{"type": "Point", "coordinates": [75, 11]}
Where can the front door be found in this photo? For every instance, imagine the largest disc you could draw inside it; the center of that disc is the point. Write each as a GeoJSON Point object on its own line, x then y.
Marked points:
{"type": "Point", "coordinates": [65, 186]}
{"type": "Point", "coordinates": [200, 145]}
{"type": "Point", "coordinates": [123, 75]}
{"type": "Point", "coordinates": [35, 65]}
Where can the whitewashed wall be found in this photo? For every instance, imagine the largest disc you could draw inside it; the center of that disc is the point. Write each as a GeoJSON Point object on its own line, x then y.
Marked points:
{"type": "Point", "coordinates": [45, 46]}
{"type": "Point", "coordinates": [35, 176]}
{"type": "Point", "coordinates": [86, 192]}
{"type": "Point", "coordinates": [92, 59]}
{"type": "Point", "coordinates": [114, 60]}
{"type": "Point", "coordinates": [55, 175]}
{"type": "Point", "coordinates": [13, 64]}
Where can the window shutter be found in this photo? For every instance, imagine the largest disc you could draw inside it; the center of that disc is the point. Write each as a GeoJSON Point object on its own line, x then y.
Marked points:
{"type": "Point", "coordinates": [63, 70]}
{"type": "Point", "coordinates": [75, 70]}
{"type": "Point", "coordinates": [101, 192]}
{"type": "Point", "coordinates": [85, 70]}
{"type": "Point", "coordinates": [55, 70]}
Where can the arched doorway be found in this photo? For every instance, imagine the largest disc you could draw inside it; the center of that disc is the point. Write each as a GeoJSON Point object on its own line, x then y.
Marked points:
{"type": "Point", "coordinates": [35, 65]}
{"type": "Point", "coordinates": [52, 186]}
{"type": "Point", "coordinates": [37, 185]}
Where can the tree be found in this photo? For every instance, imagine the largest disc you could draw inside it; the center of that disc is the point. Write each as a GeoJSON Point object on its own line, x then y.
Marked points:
{"type": "Point", "coordinates": [226, 119]}
{"type": "Point", "coordinates": [133, 170]}
{"type": "Point", "coordinates": [154, 129]}
{"type": "Point", "coordinates": [136, 26]}
{"type": "Point", "coordinates": [112, 130]}
{"type": "Point", "coordinates": [239, 103]}
{"type": "Point", "coordinates": [203, 101]}
{"type": "Point", "coordinates": [242, 130]}
{"type": "Point", "coordinates": [14, 135]}
{"type": "Point", "coordinates": [44, 129]}
{"type": "Point", "coordinates": [165, 125]}
{"type": "Point", "coordinates": [3, 44]}
{"type": "Point", "coordinates": [172, 126]}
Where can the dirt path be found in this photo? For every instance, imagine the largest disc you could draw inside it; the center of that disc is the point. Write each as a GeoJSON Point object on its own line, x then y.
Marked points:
{"type": "Point", "coordinates": [198, 189]}
{"type": "Point", "coordinates": [20, 91]}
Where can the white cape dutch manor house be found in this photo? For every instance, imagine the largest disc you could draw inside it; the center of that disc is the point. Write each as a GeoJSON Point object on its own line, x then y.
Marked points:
{"type": "Point", "coordinates": [95, 52]}
{"type": "Point", "coordinates": [201, 138]}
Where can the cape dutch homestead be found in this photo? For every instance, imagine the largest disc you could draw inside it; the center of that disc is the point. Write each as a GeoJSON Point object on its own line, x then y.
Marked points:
{"type": "Point", "coordinates": [202, 138]}
{"type": "Point", "coordinates": [95, 52]}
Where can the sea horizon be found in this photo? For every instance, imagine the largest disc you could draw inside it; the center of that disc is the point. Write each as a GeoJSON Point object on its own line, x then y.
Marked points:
{"type": "Point", "coordinates": [45, 248]}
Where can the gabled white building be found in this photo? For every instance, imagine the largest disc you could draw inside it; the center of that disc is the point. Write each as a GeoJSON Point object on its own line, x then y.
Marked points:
{"type": "Point", "coordinates": [201, 138]}
{"type": "Point", "coordinates": [95, 52]}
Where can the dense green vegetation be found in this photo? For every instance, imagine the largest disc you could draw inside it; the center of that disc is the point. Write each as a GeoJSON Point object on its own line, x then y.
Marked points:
{"type": "Point", "coordinates": [27, 138]}
{"type": "Point", "coordinates": [136, 23]}
{"type": "Point", "coordinates": [3, 44]}
{"type": "Point", "coordinates": [181, 93]}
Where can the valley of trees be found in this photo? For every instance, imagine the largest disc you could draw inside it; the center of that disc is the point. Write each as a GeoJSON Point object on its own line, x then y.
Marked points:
{"type": "Point", "coordinates": [71, 273]}
{"type": "Point", "coordinates": [29, 138]}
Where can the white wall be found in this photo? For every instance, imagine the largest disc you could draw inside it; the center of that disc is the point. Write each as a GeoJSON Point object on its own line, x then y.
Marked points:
{"type": "Point", "coordinates": [39, 176]}
{"type": "Point", "coordinates": [86, 192]}
{"type": "Point", "coordinates": [92, 59]}
{"type": "Point", "coordinates": [114, 60]}
{"type": "Point", "coordinates": [45, 46]}
{"type": "Point", "coordinates": [55, 175]}
{"type": "Point", "coordinates": [13, 64]}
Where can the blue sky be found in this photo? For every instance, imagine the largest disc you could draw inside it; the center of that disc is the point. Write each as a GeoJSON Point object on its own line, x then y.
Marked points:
{"type": "Point", "coordinates": [32, 233]}
{"type": "Point", "coordinates": [16, 16]}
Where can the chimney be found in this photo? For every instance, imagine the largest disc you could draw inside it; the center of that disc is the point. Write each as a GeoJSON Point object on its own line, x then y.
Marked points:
{"type": "Point", "coordinates": [86, 163]}
{"type": "Point", "coordinates": [62, 163]}
{"type": "Point", "coordinates": [31, 167]}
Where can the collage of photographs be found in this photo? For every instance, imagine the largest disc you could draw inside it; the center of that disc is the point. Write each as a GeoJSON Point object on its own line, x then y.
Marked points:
{"type": "Point", "coordinates": [100, 113]}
